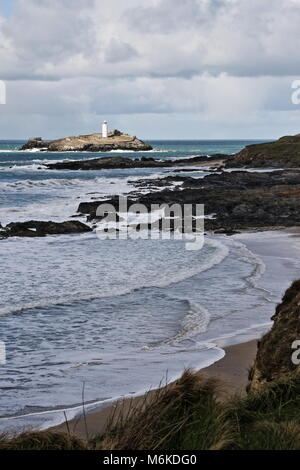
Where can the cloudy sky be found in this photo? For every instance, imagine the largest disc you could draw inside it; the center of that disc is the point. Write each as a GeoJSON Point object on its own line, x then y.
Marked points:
{"type": "Point", "coordinates": [204, 69]}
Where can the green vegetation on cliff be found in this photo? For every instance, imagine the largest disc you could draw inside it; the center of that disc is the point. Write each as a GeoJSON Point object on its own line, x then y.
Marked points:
{"type": "Point", "coordinates": [283, 153]}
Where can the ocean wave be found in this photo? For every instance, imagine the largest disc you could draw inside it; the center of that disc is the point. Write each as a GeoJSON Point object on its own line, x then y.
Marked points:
{"type": "Point", "coordinates": [247, 256]}
{"type": "Point", "coordinates": [259, 266]}
{"type": "Point", "coordinates": [215, 258]}
{"type": "Point", "coordinates": [194, 323]}
{"type": "Point", "coordinates": [32, 167]}
{"type": "Point", "coordinates": [49, 183]}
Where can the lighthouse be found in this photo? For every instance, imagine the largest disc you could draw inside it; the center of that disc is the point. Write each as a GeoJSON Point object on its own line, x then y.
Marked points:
{"type": "Point", "coordinates": [104, 130]}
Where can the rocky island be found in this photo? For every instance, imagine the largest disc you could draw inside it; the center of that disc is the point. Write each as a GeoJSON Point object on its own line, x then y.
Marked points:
{"type": "Point", "coordinates": [115, 140]}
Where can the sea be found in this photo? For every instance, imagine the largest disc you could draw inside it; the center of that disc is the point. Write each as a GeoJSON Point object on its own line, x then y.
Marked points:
{"type": "Point", "coordinates": [90, 320]}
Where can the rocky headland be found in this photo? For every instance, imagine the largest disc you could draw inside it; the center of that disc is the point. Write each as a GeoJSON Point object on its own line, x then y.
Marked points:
{"type": "Point", "coordinates": [283, 153]}
{"type": "Point", "coordinates": [116, 140]}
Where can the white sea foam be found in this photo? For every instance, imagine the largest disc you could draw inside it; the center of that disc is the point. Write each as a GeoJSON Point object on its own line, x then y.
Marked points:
{"type": "Point", "coordinates": [251, 258]}
{"type": "Point", "coordinates": [195, 322]}
{"type": "Point", "coordinates": [62, 196]}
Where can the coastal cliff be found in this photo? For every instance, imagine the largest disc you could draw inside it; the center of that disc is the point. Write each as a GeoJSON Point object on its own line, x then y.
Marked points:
{"type": "Point", "coordinates": [274, 355]}
{"type": "Point", "coordinates": [116, 140]}
{"type": "Point", "coordinates": [283, 153]}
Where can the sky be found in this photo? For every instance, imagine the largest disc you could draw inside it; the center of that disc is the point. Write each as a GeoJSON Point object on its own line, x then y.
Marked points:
{"type": "Point", "coordinates": [158, 69]}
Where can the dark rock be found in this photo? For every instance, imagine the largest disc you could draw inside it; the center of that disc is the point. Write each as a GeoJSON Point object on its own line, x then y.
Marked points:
{"type": "Point", "coordinates": [36, 143]}
{"type": "Point", "coordinates": [35, 228]}
{"type": "Point", "coordinates": [117, 162]}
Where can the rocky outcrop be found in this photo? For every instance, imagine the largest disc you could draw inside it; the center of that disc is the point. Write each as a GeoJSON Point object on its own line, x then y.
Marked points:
{"type": "Point", "coordinates": [274, 355]}
{"type": "Point", "coordinates": [283, 153]}
{"type": "Point", "coordinates": [238, 200]}
{"type": "Point", "coordinates": [116, 162]}
{"type": "Point", "coordinates": [89, 143]}
{"type": "Point", "coordinates": [35, 228]}
{"type": "Point", "coordinates": [36, 143]}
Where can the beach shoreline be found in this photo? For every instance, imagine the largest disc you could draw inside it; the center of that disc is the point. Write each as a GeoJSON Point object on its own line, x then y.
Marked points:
{"type": "Point", "coordinates": [231, 371]}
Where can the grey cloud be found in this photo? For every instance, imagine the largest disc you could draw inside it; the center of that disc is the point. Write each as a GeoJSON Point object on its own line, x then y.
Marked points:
{"type": "Point", "coordinates": [43, 32]}
{"type": "Point", "coordinates": [50, 40]}
{"type": "Point", "coordinates": [118, 51]}
{"type": "Point", "coordinates": [168, 17]}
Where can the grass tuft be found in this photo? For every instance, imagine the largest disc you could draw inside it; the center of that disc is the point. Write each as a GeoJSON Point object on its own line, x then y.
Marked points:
{"type": "Point", "coordinates": [42, 440]}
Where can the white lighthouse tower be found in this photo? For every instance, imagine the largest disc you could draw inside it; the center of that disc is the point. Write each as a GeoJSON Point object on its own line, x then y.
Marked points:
{"type": "Point", "coordinates": [105, 130]}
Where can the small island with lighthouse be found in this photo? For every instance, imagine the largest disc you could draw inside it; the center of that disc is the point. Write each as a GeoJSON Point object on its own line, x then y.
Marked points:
{"type": "Point", "coordinates": [98, 142]}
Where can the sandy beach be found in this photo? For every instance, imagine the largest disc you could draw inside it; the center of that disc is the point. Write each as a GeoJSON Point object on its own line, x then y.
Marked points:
{"type": "Point", "coordinates": [232, 371]}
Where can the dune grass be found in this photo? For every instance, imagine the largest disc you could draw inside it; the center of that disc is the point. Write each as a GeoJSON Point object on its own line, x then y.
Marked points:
{"type": "Point", "coordinates": [42, 440]}
{"type": "Point", "coordinates": [189, 415]}
{"type": "Point", "coordinates": [183, 416]}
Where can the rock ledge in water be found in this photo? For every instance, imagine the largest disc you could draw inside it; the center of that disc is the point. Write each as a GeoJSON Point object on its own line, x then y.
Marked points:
{"type": "Point", "coordinates": [36, 228]}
